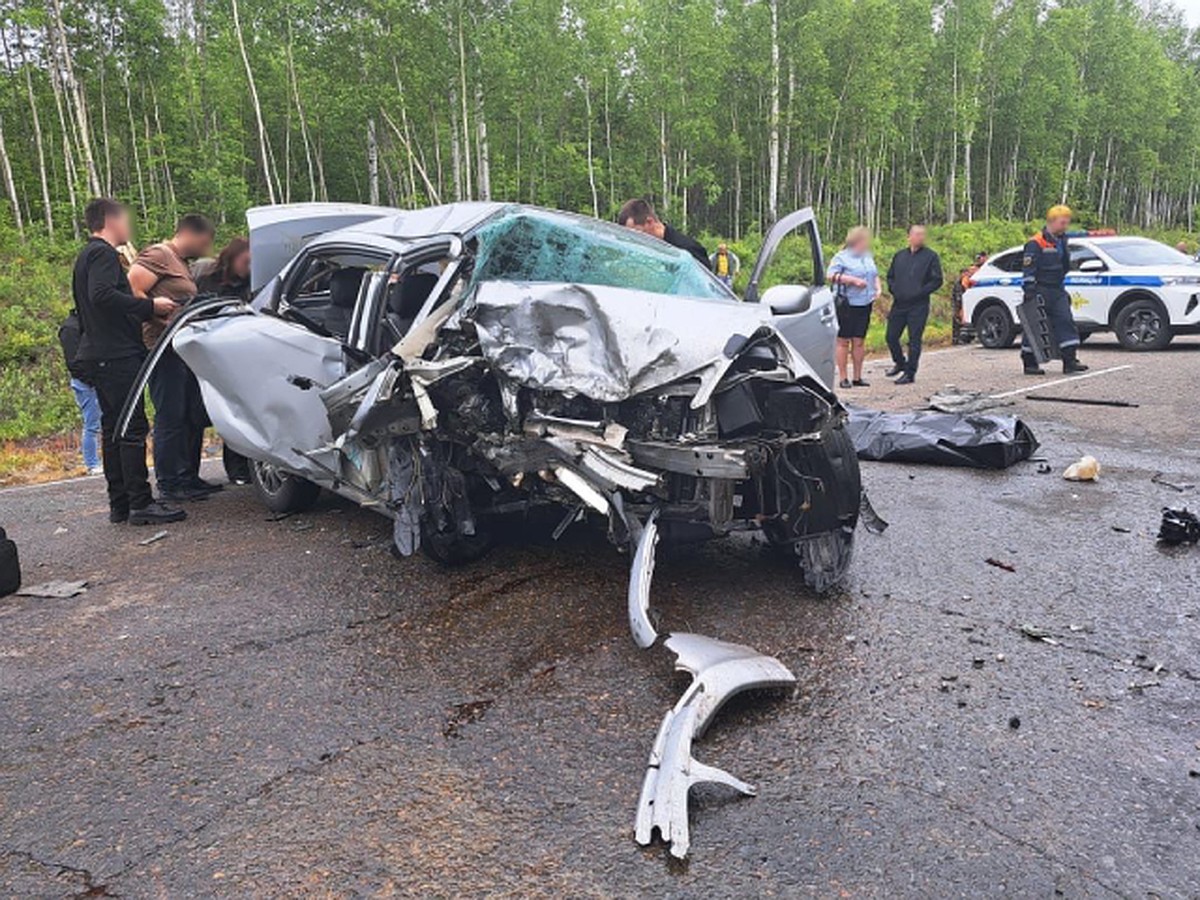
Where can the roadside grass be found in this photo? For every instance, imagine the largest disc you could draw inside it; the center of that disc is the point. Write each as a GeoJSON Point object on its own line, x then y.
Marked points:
{"type": "Point", "coordinates": [38, 460]}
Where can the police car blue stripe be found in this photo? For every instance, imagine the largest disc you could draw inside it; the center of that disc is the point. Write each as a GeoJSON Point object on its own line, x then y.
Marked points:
{"type": "Point", "coordinates": [1087, 280]}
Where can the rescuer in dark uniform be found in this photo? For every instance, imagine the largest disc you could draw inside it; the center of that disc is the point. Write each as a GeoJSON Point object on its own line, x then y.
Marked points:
{"type": "Point", "coordinates": [1046, 263]}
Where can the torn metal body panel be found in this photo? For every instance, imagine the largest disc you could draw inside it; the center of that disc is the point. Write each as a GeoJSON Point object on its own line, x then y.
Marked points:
{"type": "Point", "coordinates": [720, 671]}
{"type": "Point", "coordinates": [641, 574]}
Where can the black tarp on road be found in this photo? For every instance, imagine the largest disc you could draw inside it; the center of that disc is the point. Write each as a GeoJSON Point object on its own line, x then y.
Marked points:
{"type": "Point", "coordinates": [941, 439]}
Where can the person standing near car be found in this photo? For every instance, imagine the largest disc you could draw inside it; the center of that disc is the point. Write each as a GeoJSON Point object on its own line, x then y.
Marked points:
{"type": "Point", "coordinates": [639, 215]}
{"type": "Point", "coordinates": [855, 278]}
{"type": "Point", "coordinates": [915, 273]}
{"type": "Point", "coordinates": [179, 416]}
{"type": "Point", "coordinates": [110, 354]}
{"type": "Point", "coordinates": [1044, 272]}
{"type": "Point", "coordinates": [725, 264]}
{"type": "Point", "coordinates": [69, 334]}
{"type": "Point", "coordinates": [228, 276]}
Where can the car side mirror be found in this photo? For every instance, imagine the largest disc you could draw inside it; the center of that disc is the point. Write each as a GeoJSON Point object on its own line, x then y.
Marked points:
{"type": "Point", "coordinates": [1091, 265]}
{"type": "Point", "coordinates": [788, 299]}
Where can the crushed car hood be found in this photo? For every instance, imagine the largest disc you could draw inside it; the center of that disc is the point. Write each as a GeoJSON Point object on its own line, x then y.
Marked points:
{"type": "Point", "coordinates": [609, 344]}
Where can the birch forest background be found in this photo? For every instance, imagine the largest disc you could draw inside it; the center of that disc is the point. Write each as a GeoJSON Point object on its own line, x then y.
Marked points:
{"type": "Point", "coordinates": [725, 112]}
{"type": "Point", "coordinates": [973, 115]}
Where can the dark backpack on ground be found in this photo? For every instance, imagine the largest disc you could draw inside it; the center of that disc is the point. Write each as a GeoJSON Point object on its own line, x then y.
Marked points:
{"type": "Point", "coordinates": [10, 568]}
{"type": "Point", "coordinates": [69, 334]}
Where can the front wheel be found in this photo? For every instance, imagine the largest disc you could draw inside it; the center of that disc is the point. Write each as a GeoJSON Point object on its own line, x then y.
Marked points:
{"type": "Point", "coordinates": [994, 326]}
{"type": "Point", "coordinates": [1143, 325]}
{"type": "Point", "coordinates": [282, 492]}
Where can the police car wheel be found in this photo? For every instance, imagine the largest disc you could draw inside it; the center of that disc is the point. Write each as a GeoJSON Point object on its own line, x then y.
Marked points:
{"type": "Point", "coordinates": [994, 327]}
{"type": "Point", "coordinates": [1143, 325]}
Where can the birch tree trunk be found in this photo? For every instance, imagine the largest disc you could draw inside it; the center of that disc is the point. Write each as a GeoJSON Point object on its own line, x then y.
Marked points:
{"type": "Point", "coordinates": [264, 152]}
{"type": "Point", "coordinates": [591, 165]}
{"type": "Point", "coordinates": [773, 122]}
{"type": "Point", "coordinates": [481, 145]}
{"type": "Point", "coordinates": [372, 163]}
{"type": "Point", "coordinates": [10, 186]}
{"type": "Point", "coordinates": [79, 100]}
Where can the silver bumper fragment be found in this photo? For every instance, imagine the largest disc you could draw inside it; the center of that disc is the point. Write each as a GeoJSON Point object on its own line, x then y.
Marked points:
{"type": "Point", "coordinates": [641, 573]}
{"type": "Point", "coordinates": [720, 671]}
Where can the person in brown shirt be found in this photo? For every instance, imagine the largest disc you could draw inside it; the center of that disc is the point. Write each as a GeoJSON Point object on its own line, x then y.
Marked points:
{"type": "Point", "coordinates": [179, 416]}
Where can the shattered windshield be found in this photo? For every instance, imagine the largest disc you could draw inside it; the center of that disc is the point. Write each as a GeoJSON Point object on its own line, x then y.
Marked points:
{"type": "Point", "coordinates": [539, 246]}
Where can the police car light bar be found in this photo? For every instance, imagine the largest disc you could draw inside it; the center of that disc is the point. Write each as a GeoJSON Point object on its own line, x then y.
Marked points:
{"type": "Point", "coordinates": [1093, 232]}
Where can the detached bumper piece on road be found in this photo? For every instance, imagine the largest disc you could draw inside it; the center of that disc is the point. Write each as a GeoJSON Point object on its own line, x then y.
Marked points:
{"type": "Point", "coordinates": [721, 670]}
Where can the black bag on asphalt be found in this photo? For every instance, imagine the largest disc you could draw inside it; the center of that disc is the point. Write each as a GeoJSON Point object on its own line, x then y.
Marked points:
{"type": "Point", "coordinates": [10, 568]}
{"type": "Point", "coordinates": [69, 334]}
{"type": "Point", "coordinates": [940, 439]}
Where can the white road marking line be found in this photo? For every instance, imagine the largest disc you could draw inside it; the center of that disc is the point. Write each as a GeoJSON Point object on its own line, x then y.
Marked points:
{"type": "Point", "coordinates": [1046, 384]}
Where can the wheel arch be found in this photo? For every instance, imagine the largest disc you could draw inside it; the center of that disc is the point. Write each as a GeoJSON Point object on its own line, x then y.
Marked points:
{"type": "Point", "coordinates": [987, 303]}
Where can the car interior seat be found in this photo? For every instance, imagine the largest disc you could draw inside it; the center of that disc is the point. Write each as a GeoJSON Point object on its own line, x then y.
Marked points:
{"type": "Point", "coordinates": [344, 286]}
{"type": "Point", "coordinates": [405, 299]}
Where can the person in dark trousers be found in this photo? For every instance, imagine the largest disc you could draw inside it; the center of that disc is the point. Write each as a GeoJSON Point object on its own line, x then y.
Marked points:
{"type": "Point", "coordinates": [228, 276]}
{"type": "Point", "coordinates": [1045, 265]}
{"type": "Point", "coordinates": [179, 415]}
{"type": "Point", "coordinates": [639, 215]}
{"type": "Point", "coordinates": [915, 273]}
{"type": "Point", "coordinates": [111, 353]}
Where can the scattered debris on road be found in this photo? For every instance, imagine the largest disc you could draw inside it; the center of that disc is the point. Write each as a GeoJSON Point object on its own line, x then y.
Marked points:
{"type": "Point", "coordinates": [951, 400]}
{"type": "Point", "coordinates": [1086, 468]}
{"type": "Point", "coordinates": [154, 538]}
{"type": "Point", "coordinates": [1000, 564]}
{"type": "Point", "coordinates": [870, 519]}
{"type": "Point", "coordinates": [1179, 526]}
{"type": "Point", "coordinates": [1039, 634]}
{"type": "Point", "coordinates": [54, 590]}
{"type": "Point", "coordinates": [1082, 401]}
{"type": "Point", "coordinates": [1157, 478]}
{"type": "Point", "coordinates": [943, 439]}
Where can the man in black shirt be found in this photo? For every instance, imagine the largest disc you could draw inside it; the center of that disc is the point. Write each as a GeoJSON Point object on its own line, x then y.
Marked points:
{"type": "Point", "coordinates": [915, 273]}
{"type": "Point", "coordinates": [640, 216]}
{"type": "Point", "coordinates": [111, 352]}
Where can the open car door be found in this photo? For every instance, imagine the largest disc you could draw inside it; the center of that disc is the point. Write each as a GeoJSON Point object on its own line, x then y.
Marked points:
{"type": "Point", "coordinates": [261, 378]}
{"type": "Point", "coordinates": [789, 280]}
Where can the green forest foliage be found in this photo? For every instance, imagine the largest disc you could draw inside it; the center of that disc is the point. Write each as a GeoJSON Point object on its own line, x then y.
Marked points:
{"type": "Point", "coordinates": [726, 114]}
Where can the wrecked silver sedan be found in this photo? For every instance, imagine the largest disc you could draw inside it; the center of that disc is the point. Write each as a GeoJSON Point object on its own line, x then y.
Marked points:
{"type": "Point", "coordinates": [454, 365]}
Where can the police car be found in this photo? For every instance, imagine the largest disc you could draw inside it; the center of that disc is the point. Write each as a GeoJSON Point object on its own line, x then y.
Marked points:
{"type": "Point", "coordinates": [1142, 290]}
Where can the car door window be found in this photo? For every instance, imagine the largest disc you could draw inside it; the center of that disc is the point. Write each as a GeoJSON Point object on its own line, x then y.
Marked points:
{"type": "Point", "coordinates": [1080, 255]}
{"type": "Point", "coordinates": [1009, 262]}
{"type": "Point", "coordinates": [327, 284]}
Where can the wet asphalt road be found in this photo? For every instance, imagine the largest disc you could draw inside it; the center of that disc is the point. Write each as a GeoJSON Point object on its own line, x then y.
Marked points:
{"type": "Point", "coordinates": [254, 707]}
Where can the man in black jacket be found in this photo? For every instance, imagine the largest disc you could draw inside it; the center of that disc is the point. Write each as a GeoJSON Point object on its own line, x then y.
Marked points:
{"type": "Point", "coordinates": [639, 215]}
{"type": "Point", "coordinates": [915, 273]}
{"type": "Point", "coordinates": [111, 352]}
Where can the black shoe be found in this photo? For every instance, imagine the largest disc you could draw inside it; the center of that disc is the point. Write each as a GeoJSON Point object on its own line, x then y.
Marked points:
{"type": "Point", "coordinates": [905, 379]}
{"type": "Point", "coordinates": [117, 516]}
{"type": "Point", "coordinates": [858, 382]}
{"type": "Point", "coordinates": [183, 495]}
{"type": "Point", "coordinates": [894, 371]}
{"type": "Point", "coordinates": [845, 384]}
{"type": "Point", "coordinates": [157, 513]}
{"type": "Point", "coordinates": [1071, 363]}
{"type": "Point", "coordinates": [209, 487]}
{"type": "Point", "coordinates": [1029, 361]}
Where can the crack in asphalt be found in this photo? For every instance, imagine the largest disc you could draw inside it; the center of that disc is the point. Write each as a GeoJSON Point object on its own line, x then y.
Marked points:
{"type": "Point", "coordinates": [90, 887]}
{"type": "Point", "coordinates": [995, 829]}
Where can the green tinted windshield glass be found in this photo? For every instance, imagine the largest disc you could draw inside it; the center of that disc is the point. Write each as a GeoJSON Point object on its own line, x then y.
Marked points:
{"type": "Point", "coordinates": [532, 245]}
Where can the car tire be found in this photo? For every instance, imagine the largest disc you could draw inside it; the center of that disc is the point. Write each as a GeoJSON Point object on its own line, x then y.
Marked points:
{"type": "Point", "coordinates": [825, 556]}
{"type": "Point", "coordinates": [1143, 325]}
{"type": "Point", "coordinates": [994, 325]}
{"type": "Point", "coordinates": [282, 492]}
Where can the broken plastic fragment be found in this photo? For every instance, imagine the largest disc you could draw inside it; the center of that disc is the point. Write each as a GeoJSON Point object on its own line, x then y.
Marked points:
{"type": "Point", "coordinates": [721, 670]}
{"type": "Point", "coordinates": [1086, 469]}
{"type": "Point", "coordinates": [641, 573]}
